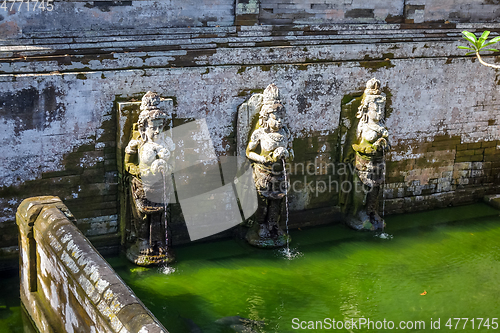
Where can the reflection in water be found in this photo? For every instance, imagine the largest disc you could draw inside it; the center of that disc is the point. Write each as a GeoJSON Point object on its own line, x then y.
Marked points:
{"type": "Point", "coordinates": [254, 304]}
{"type": "Point", "coordinates": [349, 303]}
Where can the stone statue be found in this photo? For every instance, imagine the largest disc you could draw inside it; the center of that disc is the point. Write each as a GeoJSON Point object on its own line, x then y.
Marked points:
{"type": "Point", "coordinates": [147, 157]}
{"type": "Point", "coordinates": [268, 149]}
{"type": "Point", "coordinates": [372, 143]}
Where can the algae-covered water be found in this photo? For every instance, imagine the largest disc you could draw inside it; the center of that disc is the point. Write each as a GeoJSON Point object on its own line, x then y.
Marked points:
{"type": "Point", "coordinates": [12, 317]}
{"type": "Point", "coordinates": [438, 265]}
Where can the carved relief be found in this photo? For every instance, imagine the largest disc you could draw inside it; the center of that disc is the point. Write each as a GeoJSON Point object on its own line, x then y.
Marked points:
{"type": "Point", "coordinates": [148, 163]}
{"type": "Point", "coordinates": [268, 148]}
{"type": "Point", "coordinates": [370, 147]}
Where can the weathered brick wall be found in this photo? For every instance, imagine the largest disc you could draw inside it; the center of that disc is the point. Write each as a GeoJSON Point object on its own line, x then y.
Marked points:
{"type": "Point", "coordinates": [77, 16]}
{"type": "Point", "coordinates": [59, 89]}
{"type": "Point", "coordinates": [330, 11]}
{"type": "Point", "coordinates": [418, 11]}
{"type": "Point", "coordinates": [52, 149]}
{"type": "Point", "coordinates": [356, 11]}
{"type": "Point", "coordinates": [66, 286]}
{"type": "Point", "coordinates": [441, 171]}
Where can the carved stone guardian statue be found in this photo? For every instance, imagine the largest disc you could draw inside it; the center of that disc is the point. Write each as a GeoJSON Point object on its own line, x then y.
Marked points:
{"type": "Point", "coordinates": [372, 143]}
{"type": "Point", "coordinates": [147, 161]}
{"type": "Point", "coordinates": [268, 149]}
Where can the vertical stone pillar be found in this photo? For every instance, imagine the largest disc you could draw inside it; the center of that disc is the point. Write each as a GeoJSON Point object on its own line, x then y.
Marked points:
{"type": "Point", "coordinates": [26, 216]}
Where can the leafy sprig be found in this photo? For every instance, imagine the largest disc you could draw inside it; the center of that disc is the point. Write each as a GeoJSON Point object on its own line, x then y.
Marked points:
{"type": "Point", "coordinates": [479, 44]}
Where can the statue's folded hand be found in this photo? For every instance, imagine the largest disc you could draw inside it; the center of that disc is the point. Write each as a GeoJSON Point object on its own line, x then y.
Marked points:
{"type": "Point", "coordinates": [132, 147]}
{"type": "Point", "coordinates": [164, 154]}
{"type": "Point", "coordinates": [159, 165]}
{"type": "Point", "coordinates": [280, 153]}
{"type": "Point", "coordinates": [381, 144]}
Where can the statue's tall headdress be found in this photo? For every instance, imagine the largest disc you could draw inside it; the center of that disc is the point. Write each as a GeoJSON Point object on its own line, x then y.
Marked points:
{"type": "Point", "coordinates": [372, 94]}
{"type": "Point", "coordinates": [150, 110]}
{"type": "Point", "coordinates": [271, 103]}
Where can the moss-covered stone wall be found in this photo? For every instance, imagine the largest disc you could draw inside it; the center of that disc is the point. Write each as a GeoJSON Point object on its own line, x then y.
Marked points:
{"type": "Point", "coordinates": [443, 171]}
{"type": "Point", "coordinates": [60, 88]}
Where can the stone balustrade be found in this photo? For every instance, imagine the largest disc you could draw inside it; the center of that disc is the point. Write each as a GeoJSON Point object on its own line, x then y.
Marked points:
{"type": "Point", "coordinates": [66, 286]}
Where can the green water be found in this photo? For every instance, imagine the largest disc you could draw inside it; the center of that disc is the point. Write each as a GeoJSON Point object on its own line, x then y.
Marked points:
{"type": "Point", "coordinates": [451, 254]}
{"type": "Point", "coordinates": [11, 314]}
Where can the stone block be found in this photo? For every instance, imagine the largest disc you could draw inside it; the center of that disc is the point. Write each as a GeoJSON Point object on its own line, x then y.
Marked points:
{"type": "Point", "coordinates": [493, 200]}
{"type": "Point", "coordinates": [447, 174]}
{"type": "Point", "coordinates": [447, 144]}
{"type": "Point", "coordinates": [478, 151]}
{"type": "Point", "coordinates": [462, 153]}
{"type": "Point", "coordinates": [438, 138]}
{"type": "Point", "coordinates": [470, 158]}
{"type": "Point", "coordinates": [478, 180]}
{"type": "Point", "coordinates": [441, 148]}
{"type": "Point", "coordinates": [477, 173]}
{"type": "Point", "coordinates": [478, 165]}
{"type": "Point", "coordinates": [477, 158]}
{"type": "Point", "coordinates": [463, 166]}
{"type": "Point", "coordinates": [488, 144]}
{"type": "Point", "coordinates": [474, 145]}
{"type": "Point", "coordinates": [491, 151]}
{"type": "Point", "coordinates": [492, 158]}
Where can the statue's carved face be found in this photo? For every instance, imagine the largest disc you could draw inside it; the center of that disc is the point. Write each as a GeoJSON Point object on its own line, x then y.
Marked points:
{"type": "Point", "coordinates": [153, 129]}
{"type": "Point", "coordinates": [375, 111]}
{"type": "Point", "coordinates": [275, 121]}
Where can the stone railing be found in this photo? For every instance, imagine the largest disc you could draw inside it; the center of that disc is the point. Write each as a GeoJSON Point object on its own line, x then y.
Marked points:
{"type": "Point", "coordinates": [66, 286]}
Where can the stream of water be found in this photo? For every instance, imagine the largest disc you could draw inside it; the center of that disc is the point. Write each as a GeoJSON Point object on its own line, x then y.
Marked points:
{"type": "Point", "coordinates": [165, 205]}
{"type": "Point", "coordinates": [287, 252]}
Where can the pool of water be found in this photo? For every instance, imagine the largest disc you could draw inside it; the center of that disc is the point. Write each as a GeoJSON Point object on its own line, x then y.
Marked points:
{"type": "Point", "coordinates": [12, 316]}
{"type": "Point", "coordinates": [429, 267]}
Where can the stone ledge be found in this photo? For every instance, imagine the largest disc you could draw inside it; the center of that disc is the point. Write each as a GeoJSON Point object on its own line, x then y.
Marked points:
{"type": "Point", "coordinates": [87, 51]}
{"type": "Point", "coordinates": [493, 200]}
{"type": "Point", "coordinates": [59, 266]}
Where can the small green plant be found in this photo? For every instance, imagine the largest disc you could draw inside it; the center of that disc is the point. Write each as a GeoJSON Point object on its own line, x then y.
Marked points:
{"type": "Point", "coordinates": [479, 44]}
